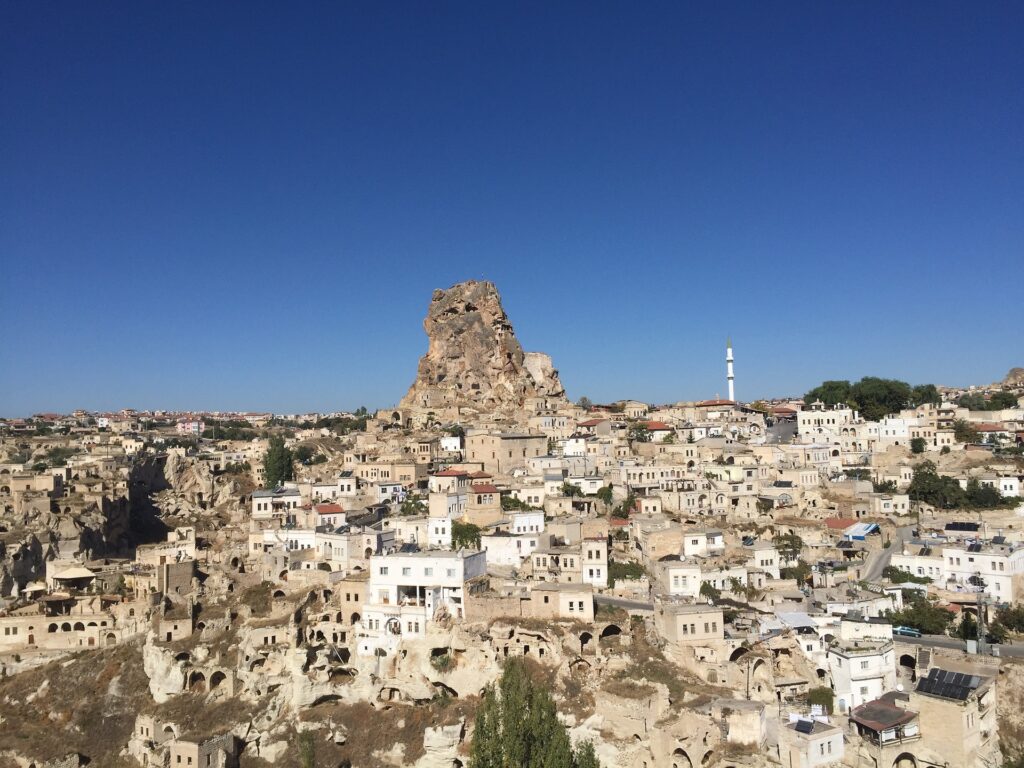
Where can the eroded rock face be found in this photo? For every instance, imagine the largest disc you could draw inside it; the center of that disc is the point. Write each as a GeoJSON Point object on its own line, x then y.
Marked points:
{"type": "Point", "coordinates": [1014, 378]}
{"type": "Point", "coordinates": [474, 359]}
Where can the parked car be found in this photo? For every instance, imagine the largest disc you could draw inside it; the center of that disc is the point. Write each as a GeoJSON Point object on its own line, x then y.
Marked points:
{"type": "Point", "coordinates": [906, 631]}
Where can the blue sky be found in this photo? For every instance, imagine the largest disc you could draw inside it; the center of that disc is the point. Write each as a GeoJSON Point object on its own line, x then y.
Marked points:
{"type": "Point", "coordinates": [247, 205]}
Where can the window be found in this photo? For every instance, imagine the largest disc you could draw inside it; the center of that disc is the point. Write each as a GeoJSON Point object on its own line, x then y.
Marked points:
{"type": "Point", "coordinates": [428, 571]}
{"type": "Point", "coordinates": [450, 573]}
{"type": "Point", "coordinates": [863, 665]}
{"type": "Point", "coordinates": [407, 571]}
{"type": "Point", "coordinates": [383, 570]}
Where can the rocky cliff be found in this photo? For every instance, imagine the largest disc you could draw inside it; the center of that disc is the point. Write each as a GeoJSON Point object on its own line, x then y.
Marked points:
{"type": "Point", "coordinates": [1015, 378]}
{"type": "Point", "coordinates": [474, 359]}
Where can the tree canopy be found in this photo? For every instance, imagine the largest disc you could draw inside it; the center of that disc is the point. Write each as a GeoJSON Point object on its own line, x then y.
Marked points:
{"type": "Point", "coordinates": [789, 545]}
{"type": "Point", "coordinates": [517, 725]}
{"type": "Point", "coordinates": [944, 492]}
{"type": "Point", "coordinates": [997, 401]}
{"type": "Point", "coordinates": [921, 614]}
{"type": "Point", "coordinates": [874, 397]}
{"type": "Point", "coordinates": [277, 463]}
{"type": "Point", "coordinates": [465, 535]}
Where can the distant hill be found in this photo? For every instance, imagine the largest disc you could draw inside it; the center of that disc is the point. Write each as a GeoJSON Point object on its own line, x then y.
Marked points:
{"type": "Point", "coordinates": [1015, 378]}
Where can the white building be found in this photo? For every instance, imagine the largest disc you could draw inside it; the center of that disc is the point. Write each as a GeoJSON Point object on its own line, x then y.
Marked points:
{"type": "Point", "coordinates": [510, 549]}
{"type": "Point", "coordinates": [526, 522]}
{"type": "Point", "coordinates": [409, 590]}
{"type": "Point", "coordinates": [861, 670]}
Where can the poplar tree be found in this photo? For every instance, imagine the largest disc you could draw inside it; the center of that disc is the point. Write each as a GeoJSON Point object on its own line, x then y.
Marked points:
{"type": "Point", "coordinates": [277, 463]}
{"type": "Point", "coordinates": [517, 726]}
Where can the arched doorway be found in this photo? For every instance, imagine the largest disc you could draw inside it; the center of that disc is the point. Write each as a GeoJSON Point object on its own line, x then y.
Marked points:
{"type": "Point", "coordinates": [904, 760]}
{"type": "Point", "coordinates": [197, 682]}
{"type": "Point", "coordinates": [909, 665]}
{"type": "Point", "coordinates": [585, 637]}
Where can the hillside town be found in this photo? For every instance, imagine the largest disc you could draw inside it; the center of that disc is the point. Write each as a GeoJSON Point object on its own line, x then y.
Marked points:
{"type": "Point", "coordinates": [833, 579]}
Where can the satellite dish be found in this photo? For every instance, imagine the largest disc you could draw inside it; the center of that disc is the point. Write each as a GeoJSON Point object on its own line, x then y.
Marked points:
{"type": "Point", "coordinates": [899, 687]}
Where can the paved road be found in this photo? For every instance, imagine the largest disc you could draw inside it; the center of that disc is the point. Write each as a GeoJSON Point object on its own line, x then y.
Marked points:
{"type": "Point", "coordinates": [879, 561]}
{"type": "Point", "coordinates": [941, 641]}
{"type": "Point", "coordinates": [621, 602]}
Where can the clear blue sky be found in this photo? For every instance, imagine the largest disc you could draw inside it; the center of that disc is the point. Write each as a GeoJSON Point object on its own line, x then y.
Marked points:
{"type": "Point", "coordinates": [247, 205]}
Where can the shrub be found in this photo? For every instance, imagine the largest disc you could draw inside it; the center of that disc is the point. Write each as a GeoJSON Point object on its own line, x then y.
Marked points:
{"type": "Point", "coordinates": [823, 696]}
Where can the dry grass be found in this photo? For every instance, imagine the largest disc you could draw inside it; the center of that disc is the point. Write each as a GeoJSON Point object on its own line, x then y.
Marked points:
{"type": "Point", "coordinates": [258, 598]}
{"type": "Point", "coordinates": [90, 700]}
{"type": "Point", "coordinates": [629, 689]}
{"type": "Point", "coordinates": [378, 730]}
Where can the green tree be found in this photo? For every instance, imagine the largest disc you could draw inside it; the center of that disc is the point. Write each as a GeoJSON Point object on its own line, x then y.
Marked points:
{"type": "Point", "coordinates": [586, 757]}
{"type": "Point", "coordinates": [925, 393]}
{"type": "Point", "coordinates": [517, 725]}
{"type": "Point", "coordinates": [997, 633]}
{"type": "Point", "coordinates": [584, 403]}
{"type": "Point", "coordinates": [709, 591]}
{"type": "Point", "coordinates": [604, 493]}
{"type": "Point", "coordinates": [619, 570]}
{"type": "Point", "coordinates": [983, 496]}
{"type": "Point", "coordinates": [799, 573]}
{"type": "Point", "coordinates": [964, 432]}
{"type": "Point", "coordinates": [1002, 400]}
{"type": "Point", "coordinates": [640, 433]}
{"type": "Point", "coordinates": [967, 629]}
{"type": "Point", "coordinates": [568, 489]}
{"type": "Point", "coordinates": [876, 398]}
{"type": "Point", "coordinates": [932, 488]}
{"type": "Point", "coordinates": [626, 508]}
{"type": "Point", "coordinates": [823, 696]}
{"type": "Point", "coordinates": [465, 535]}
{"type": "Point", "coordinates": [917, 445]}
{"type": "Point", "coordinates": [277, 463]}
{"type": "Point", "coordinates": [302, 453]}
{"type": "Point", "coordinates": [922, 614]}
{"type": "Point", "coordinates": [789, 545]}
{"type": "Point", "coordinates": [830, 393]}
{"type": "Point", "coordinates": [1012, 617]}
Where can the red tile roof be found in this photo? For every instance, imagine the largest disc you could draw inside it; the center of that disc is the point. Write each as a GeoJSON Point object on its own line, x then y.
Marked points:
{"type": "Point", "coordinates": [657, 426]}
{"type": "Point", "coordinates": [451, 473]}
{"type": "Point", "coordinates": [329, 509]}
{"type": "Point", "coordinates": [715, 402]}
{"type": "Point", "coordinates": [480, 475]}
{"type": "Point", "coordinates": [485, 488]}
{"type": "Point", "coordinates": [591, 422]}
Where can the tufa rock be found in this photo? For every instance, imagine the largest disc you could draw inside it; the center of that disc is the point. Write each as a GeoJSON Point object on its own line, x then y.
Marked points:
{"type": "Point", "coordinates": [475, 361]}
{"type": "Point", "coordinates": [1015, 378]}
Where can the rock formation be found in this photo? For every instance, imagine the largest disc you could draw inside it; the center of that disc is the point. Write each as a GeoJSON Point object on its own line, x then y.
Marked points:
{"type": "Point", "coordinates": [475, 360]}
{"type": "Point", "coordinates": [1015, 378]}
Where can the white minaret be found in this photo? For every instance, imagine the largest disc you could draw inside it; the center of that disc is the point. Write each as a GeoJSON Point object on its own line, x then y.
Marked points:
{"type": "Point", "coordinates": [728, 368]}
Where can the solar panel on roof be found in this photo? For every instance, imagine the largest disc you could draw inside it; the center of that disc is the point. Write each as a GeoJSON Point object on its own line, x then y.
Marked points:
{"type": "Point", "coordinates": [974, 548]}
{"type": "Point", "coordinates": [805, 726]}
{"type": "Point", "coordinates": [998, 539]}
{"type": "Point", "coordinates": [962, 526]}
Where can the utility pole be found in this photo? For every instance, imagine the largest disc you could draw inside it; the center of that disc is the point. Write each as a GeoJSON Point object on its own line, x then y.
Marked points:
{"type": "Point", "coordinates": [981, 619]}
